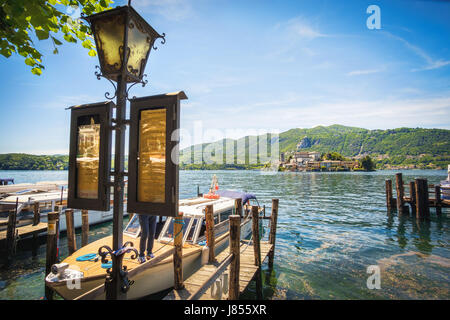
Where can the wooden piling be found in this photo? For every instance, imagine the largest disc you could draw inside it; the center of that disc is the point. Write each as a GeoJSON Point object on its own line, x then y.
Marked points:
{"type": "Point", "coordinates": [209, 217]}
{"type": "Point", "coordinates": [400, 193]}
{"type": "Point", "coordinates": [238, 207]}
{"type": "Point", "coordinates": [437, 199]}
{"type": "Point", "coordinates": [62, 196]}
{"type": "Point", "coordinates": [84, 227]}
{"type": "Point", "coordinates": [389, 197]}
{"type": "Point", "coordinates": [412, 196]}
{"type": "Point", "coordinates": [11, 232]}
{"type": "Point", "coordinates": [71, 236]}
{"type": "Point", "coordinates": [36, 214]}
{"type": "Point", "coordinates": [58, 208]}
{"type": "Point", "coordinates": [273, 230]}
{"type": "Point", "coordinates": [51, 256]}
{"type": "Point", "coordinates": [422, 207]}
{"type": "Point", "coordinates": [35, 244]}
{"type": "Point", "coordinates": [235, 239]}
{"type": "Point", "coordinates": [178, 253]}
{"type": "Point", "coordinates": [255, 231]}
{"type": "Point", "coordinates": [257, 251]}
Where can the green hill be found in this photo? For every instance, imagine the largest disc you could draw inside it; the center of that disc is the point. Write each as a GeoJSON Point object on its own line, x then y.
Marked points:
{"type": "Point", "coordinates": [402, 147]}
{"type": "Point", "coordinates": [22, 161]}
{"type": "Point", "coordinates": [392, 148]}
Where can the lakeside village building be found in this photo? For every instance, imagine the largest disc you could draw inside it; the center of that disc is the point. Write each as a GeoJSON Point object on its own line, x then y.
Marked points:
{"type": "Point", "coordinates": [310, 161]}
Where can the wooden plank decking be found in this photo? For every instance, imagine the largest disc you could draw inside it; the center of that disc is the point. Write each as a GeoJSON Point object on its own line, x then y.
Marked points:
{"type": "Point", "coordinates": [26, 230]}
{"type": "Point", "coordinates": [246, 274]}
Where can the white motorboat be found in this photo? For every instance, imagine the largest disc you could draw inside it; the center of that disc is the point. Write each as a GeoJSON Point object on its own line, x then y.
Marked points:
{"type": "Point", "coordinates": [148, 277]}
{"type": "Point", "coordinates": [445, 186]}
{"type": "Point", "coordinates": [47, 195]}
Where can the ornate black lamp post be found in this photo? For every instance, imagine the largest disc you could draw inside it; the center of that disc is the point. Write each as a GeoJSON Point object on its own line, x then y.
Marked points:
{"type": "Point", "coordinates": [124, 41]}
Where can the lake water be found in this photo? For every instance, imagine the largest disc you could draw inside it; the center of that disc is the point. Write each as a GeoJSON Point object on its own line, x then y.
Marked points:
{"type": "Point", "coordinates": [331, 228]}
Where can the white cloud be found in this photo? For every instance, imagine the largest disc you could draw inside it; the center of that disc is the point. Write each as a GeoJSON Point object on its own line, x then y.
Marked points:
{"type": "Point", "coordinates": [44, 151]}
{"type": "Point", "coordinates": [303, 29]}
{"type": "Point", "coordinates": [362, 72]}
{"type": "Point", "coordinates": [431, 63]}
{"type": "Point", "coordinates": [436, 64]}
{"type": "Point", "coordinates": [382, 114]}
{"type": "Point", "coordinates": [294, 111]}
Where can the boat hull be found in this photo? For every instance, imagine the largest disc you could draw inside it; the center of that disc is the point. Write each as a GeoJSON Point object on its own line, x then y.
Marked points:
{"type": "Point", "coordinates": [152, 280]}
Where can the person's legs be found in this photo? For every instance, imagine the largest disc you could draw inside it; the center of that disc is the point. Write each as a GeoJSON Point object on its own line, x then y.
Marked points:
{"type": "Point", "coordinates": [143, 221]}
{"type": "Point", "coordinates": [151, 234]}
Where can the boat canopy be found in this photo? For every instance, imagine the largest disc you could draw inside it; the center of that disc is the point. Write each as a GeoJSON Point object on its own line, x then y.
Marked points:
{"type": "Point", "coordinates": [236, 195]}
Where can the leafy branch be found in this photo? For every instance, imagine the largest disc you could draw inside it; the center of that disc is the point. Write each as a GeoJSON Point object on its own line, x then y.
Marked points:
{"type": "Point", "coordinates": [23, 20]}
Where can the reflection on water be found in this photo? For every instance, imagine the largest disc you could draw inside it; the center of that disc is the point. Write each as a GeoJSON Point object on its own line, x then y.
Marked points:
{"type": "Point", "coordinates": [331, 227]}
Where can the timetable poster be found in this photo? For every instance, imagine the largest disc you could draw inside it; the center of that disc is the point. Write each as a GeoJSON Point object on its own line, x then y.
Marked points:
{"type": "Point", "coordinates": [152, 156]}
{"type": "Point", "coordinates": [88, 155]}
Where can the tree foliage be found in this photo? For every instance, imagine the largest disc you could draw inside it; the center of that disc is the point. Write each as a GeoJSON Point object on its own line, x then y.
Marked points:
{"type": "Point", "coordinates": [333, 156]}
{"type": "Point", "coordinates": [24, 21]}
{"type": "Point", "coordinates": [20, 161]}
{"type": "Point", "coordinates": [367, 163]}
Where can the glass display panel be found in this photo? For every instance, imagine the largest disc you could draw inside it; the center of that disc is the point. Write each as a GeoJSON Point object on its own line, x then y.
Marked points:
{"type": "Point", "coordinates": [139, 44]}
{"type": "Point", "coordinates": [151, 183]}
{"type": "Point", "coordinates": [109, 34]}
{"type": "Point", "coordinates": [88, 156]}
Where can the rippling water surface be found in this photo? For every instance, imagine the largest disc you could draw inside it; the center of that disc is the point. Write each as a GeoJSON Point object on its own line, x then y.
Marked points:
{"type": "Point", "coordinates": [331, 227]}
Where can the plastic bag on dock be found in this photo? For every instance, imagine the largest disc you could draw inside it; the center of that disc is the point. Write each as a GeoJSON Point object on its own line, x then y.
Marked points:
{"type": "Point", "coordinates": [62, 272]}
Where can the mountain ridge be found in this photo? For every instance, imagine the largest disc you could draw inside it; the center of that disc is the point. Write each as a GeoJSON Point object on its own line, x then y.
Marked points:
{"type": "Point", "coordinates": [410, 147]}
{"type": "Point", "coordinates": [391, 149]}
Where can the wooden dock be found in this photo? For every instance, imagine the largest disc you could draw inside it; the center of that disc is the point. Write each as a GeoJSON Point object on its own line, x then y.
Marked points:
{"type": "Point", "coordinates": [416, 197]}
{"type": "Point", "coordinates": [205, 275]}
{"type": "Point", "coordinates": [26, 230]}
{"type": "Point", "coordinates": [228, 274]}
{"type": "Point", "coordinates": [15, 231]}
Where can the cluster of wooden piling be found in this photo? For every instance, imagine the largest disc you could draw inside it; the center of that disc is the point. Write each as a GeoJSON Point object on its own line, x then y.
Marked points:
{"type": "Point", "coordinates": [242, 266]}
{"type": "Point", "coordinates": [52, 253]}
{"type": "Point", "coordinates": [13, 233]}
{"type": "Point", "coordinates": [418, 198]}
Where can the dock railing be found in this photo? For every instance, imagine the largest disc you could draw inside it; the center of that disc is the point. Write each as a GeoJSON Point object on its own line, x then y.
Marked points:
{"type": "Point", "coordinates": [232, 261]}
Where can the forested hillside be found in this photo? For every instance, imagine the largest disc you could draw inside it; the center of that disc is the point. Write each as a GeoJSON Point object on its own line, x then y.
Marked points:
{"type": "Point", "coordinates": [392, 148]}
{"type": "Point", "coordinates": [402, 147]}
{"type": "Point", "coordinates": [21, 161]}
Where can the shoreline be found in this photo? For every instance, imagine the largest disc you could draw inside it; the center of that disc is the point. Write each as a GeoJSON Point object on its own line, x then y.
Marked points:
{"type": "Point", "coordinates": [255, 169]}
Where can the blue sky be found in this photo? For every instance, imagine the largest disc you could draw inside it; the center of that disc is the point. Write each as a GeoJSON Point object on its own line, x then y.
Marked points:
{"type": "Point", "coordinates": [265, 65]}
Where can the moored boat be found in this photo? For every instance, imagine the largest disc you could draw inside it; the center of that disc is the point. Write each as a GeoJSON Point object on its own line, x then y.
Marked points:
{"type": "Point", "coordinates": [47, 195]}
{"type": "Point", "coordinates": [445, 186]}
{"type": "Point", "coordinates": [149, 277]}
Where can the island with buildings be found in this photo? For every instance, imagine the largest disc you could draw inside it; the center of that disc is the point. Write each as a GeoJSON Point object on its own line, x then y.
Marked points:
{"type": "Point", "coordinates": [315, 161]}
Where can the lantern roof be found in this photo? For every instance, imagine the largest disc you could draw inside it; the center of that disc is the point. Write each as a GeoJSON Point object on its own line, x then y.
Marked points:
{"type": "Point", "coordinates": [126, 10]}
